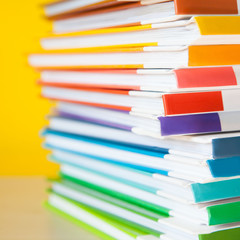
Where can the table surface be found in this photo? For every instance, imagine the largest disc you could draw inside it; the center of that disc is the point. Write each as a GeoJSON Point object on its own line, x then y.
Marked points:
{"type": "Point", "coordinates": [22, 216]}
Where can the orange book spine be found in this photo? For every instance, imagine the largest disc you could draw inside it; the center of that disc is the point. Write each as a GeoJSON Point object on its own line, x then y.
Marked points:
{"type": "Point", "coordinates": [214, 55]}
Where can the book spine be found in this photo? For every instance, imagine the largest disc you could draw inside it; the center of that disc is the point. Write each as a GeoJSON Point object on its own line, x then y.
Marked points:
{"type": "Point", "coordinates": [187, 124]}
{"type": "Point", "coordinates": [224, 213]}
{"type": "Point", "coordinates": [232, 234]}
{"type": "Point", "coordinates": [203, 102]}
{"type": "Point", "coordinates": [226, 147]}
{"type": "Point", "coordinates": [225, 167]}
{"type": "Point", "coordinates": [186, 7]}
{"type": "Point", "coordinates": [218, 190]}
{"type": "Point", "coordinates": [218, 25]}
{"type": "Point", "coordinates": [206, 77]}
{"type": "Point", "coordinates": [197, 102]}
{"type": "Point", "coordinates": [213, 55]}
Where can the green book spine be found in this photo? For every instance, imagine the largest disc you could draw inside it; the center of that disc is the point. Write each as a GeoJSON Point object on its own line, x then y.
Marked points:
{"type": "Point", "coordinates": [230, 234]}
{"type": "Point", "coordinates": [224, 213]}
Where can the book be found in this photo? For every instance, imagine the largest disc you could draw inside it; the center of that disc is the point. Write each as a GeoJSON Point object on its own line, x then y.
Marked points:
{"type": "Point", "coordinates": [155, 103]}
{"type": "Point", "coordinates": [140, 15]}
{"type": "Point", "coordinates": [146, 127]}
{"type": "Point", "coordinates": [210, 146]}
{"type": "Point", "coordinates": [141, 57]}
{"type": "Point", "coordinates": [92, 220]}
{"type": "Point", "coordinates": [201, 30]}
{"type": "Point", "coordinates": [189, 168]}
{"type": "Point", "coordinates": [153, 181]}
{"type": "Point", "coordinates": [162, 80]}
{"type": "Point", "coordinates": [64, 206]}
{"type": "Point", "coordinates": [154, 124]}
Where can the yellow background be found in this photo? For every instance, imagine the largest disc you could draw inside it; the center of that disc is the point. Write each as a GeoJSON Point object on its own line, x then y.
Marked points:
{"type": "Point", "coordinates": [22, 109]}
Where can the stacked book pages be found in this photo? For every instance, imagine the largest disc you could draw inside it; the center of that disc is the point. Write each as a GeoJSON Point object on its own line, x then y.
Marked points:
{"type": "Point", "coordinates": [146, 127]}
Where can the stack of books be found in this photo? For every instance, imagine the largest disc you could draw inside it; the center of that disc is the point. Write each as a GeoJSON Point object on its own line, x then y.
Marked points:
{"type": "Point", "coordinates": [146, 127]}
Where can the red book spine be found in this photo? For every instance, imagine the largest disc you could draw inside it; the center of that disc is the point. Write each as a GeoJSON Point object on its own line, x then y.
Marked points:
{"type": "Point", "coordinates": [205, 77]}
{"type": "Point", "coordinates": [186, 103]}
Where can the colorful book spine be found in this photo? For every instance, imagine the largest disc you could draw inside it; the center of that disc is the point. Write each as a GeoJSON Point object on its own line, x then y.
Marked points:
{"type": "Point", "coordinates": [207, 7]}
{"type": "Point", "coordinates": [197, 102]}
{"type": "Point", "coordinates": [208, 77]}
{"type": "Point", "coordinates": [200, 123]}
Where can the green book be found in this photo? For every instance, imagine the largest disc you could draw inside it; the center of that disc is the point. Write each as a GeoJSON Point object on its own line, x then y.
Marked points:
{"type": "Point", "coordinates": [99, 224]}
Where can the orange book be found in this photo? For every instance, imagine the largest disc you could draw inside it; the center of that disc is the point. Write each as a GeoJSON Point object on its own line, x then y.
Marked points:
{"type": "Point", "coordinates": [141, 57]}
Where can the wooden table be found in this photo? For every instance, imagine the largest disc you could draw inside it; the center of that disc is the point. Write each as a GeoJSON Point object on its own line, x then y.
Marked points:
{"type": "Point", "coordinates": [22, 216]}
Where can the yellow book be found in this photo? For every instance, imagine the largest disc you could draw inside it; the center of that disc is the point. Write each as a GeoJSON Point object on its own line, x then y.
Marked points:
{"type": "Point", "coordinates": [201, 30]}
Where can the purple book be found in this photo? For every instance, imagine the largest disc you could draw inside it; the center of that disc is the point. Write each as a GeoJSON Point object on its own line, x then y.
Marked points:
{"type": "Point", "coordinates": [153, 125]}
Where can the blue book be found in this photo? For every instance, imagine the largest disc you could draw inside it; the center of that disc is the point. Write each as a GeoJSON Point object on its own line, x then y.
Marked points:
{"type": "Point", "coordinates": [189, 167]}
